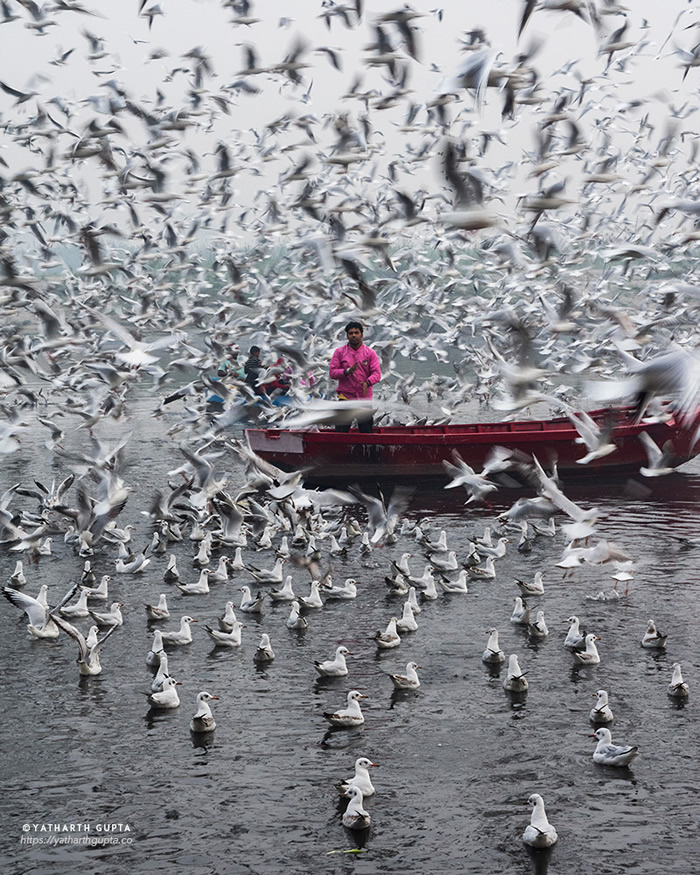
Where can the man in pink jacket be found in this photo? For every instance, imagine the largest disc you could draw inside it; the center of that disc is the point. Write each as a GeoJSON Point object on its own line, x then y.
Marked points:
{"type": "Point", "coordinates": [356, 368]}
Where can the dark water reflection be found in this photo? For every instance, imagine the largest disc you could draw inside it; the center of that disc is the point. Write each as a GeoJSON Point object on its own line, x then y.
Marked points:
{"type": "Point", "coordinates": [457, 758]}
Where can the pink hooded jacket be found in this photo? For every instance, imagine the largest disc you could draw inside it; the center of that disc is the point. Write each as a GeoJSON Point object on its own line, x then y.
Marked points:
{"type": "Point", "coordinates": [368, 369]}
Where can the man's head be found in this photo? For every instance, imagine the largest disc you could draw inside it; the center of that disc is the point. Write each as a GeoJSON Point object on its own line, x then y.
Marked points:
{"type": "Point", "coordinates": [255, 350]}
{"type": "Point", "coordinates": [354, 332]}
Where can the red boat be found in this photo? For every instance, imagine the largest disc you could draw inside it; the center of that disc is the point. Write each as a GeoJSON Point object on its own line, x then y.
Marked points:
{"type": "Point", "coordinates": [411, 452]}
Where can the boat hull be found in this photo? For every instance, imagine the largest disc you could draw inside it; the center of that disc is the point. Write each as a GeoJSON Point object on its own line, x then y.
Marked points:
{"type": "Point", "coordinates": [405, 452]}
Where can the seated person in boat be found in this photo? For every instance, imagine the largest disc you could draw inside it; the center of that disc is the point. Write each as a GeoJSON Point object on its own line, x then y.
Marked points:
{"type": "Point", "coordinates": [280, 379]}
{"type": "Point", "coordinates": [230, 367]}
{"type": "Point", "coordinates": [356, 368]}
{"type": "Point", "coordinates": [252, 368]}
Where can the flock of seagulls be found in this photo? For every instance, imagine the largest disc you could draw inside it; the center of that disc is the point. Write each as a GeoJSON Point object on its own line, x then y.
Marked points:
{"type": "Point", "coordinates": [132, 263]}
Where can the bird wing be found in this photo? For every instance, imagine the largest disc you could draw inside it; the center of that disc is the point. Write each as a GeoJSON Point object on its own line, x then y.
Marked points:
{"type": "Point", "coordinates": [33, 608]}
{"type": "Point", "coordinates": [75, 634]}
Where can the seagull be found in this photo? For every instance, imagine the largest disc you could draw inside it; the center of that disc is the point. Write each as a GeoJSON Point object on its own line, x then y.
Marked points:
{"type": "Point", "coordinates": [336, 667]}
{"type": "Point", "coordinates": [653, 638]}
{"type": "Point", "coordinates": [361, 778]}
{"type": "Point", "coordinates": [41, 622]}
{"type": "Point", "coordinates": [487, 571]}
{"type": "Point", "coordinates": [171, 573]}
{"type": "Point", "coordinates": [313, 600]}
{"type": "Point", "coordinates": [183, 635]}
{"type": "Point", "coordinates": [228, 618]}
{"type": "Point", "coordinates": [17, 578]}
{"type": "Point", "coordinates": [389, 637]}
{"type": "Point", "coordinates": [550, 490]}
{"type": "Point", "coordinates": [226, 639]}
{"type": "Point", "coordinates": [493, 653]}
{"type": "Point", "coordinates": [88, 652]}
{"type": "Point", "coordinates": [540, 833]}
{"type": "Point", "coordinates": [538, 628]}
{"type": "Point", "coordinates": [657, 459]}
{"type": "Point", "coordinates": [601, 712]}
{"type": "Point", "coordinates": [156, 654]}
{"type": "Point", "coordinates": [203, 720]}
{"type": "Point", "coordinates": [347, 591]}
{"type": "Point", "coordinates": [575, 638]}
{"type": "Point", "coordinates": [595, 437]}
{"type": "Point", "coordinates": [220, 574]}
{"type": "Point", "coordinates": [349, 716]}
{"type": "Point", "coordinates": [455, 586]}
{"type": "Point", "coordinates": [198, 587]}
{"type": "Point", "coordinates": [355, 817]}
{"type": "Point", "coordinates": [167, 697]}
{"type": "Point", "coordinates": [521, 612]}
{"type": "Point", "coordinates": [79, 609]}
{"type": "Point", "coordinates": [268, 575]}
{"type": "Point", "coordinates": [408, 681]}
{"type": "Point", "coordinates": [407, 621]}
{"type": "Point", "coordinates": [678, 687]}
{"type": "Point", "coordinates": [159, 611]}
{"type": "Point", "coordinates": [412, 599]}
{"type": "Point", "coordinates": [515, 680]}
{"type": "Point", "coordinates": [497, 551]}
{"type": "Point", "coordinates": [590, 655]}
{"type": "Point", "coordinates": [286, 594]}
{"type": "Point", "coordinates": [295, 620]}
{"type": "Point", "coordinates": [536, 587]}
{"type": "Point", "coordinates": [608, 754]}
{"type": "Point", "coordinates": [448, 563]}
{"type": "Point", "coordinates": [113, 617]}
{"type": "Point", "coordinates": [264, 652]}
{"type": "Point", "coordinates": [250, 604]}
{"type": "Point", "coordinates": [134, 566]}
{"type": "Point", "coordinates": [477, 486]}
{"type": "Point", "coordinates": [162, 673]}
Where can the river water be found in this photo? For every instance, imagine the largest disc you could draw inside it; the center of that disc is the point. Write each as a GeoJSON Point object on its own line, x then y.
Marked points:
{"type": "Point", "coordinates": [457, 758]}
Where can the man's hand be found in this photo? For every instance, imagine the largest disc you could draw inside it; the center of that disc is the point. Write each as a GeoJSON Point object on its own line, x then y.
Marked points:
{"type": "Point", "coordinates": [365, 387]}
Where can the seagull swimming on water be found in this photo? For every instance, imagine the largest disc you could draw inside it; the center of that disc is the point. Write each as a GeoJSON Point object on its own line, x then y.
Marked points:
{"type": "Point", "coordinates": [678, 688]}
{"type": "Point", "coordinates": [203, 719]}
{"type": "Point", "coordinates": [608, 754]}
{"type": "Point", "coordinates": [361, 778]}
{"type": "Point", "coordinates": [493, 653]}
{"type": "Point", "coordinates": [590, 655]}
{"type": "Point", "coordinates": [349, 716]}
{"type": "Point", "coordinates": [336, 667]}
{"type": "Point", "coordinates": [355, 817]}
{"type": "Point", "coordinates": [407, 681]}
{"type": "Point", "coordinates": [539, 833]}
{"type": "Point", "coordinates": [601, 711]}
{"type": "Point", "coordinates": [654, 639]}
{"type": "Point", "coordinates": [167, 697]}
{"type": "Point", "coordinates": [515, 680]}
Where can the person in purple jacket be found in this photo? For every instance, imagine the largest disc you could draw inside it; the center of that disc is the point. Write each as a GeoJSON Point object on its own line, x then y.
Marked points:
{"type": "Point", "coordinates": [356, 368]}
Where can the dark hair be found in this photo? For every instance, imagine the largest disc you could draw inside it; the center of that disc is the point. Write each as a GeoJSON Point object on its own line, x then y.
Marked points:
{"type": "Point", "coordinates": [357, 325]}
{"type": "Point", "coordinates": [255, 350]}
